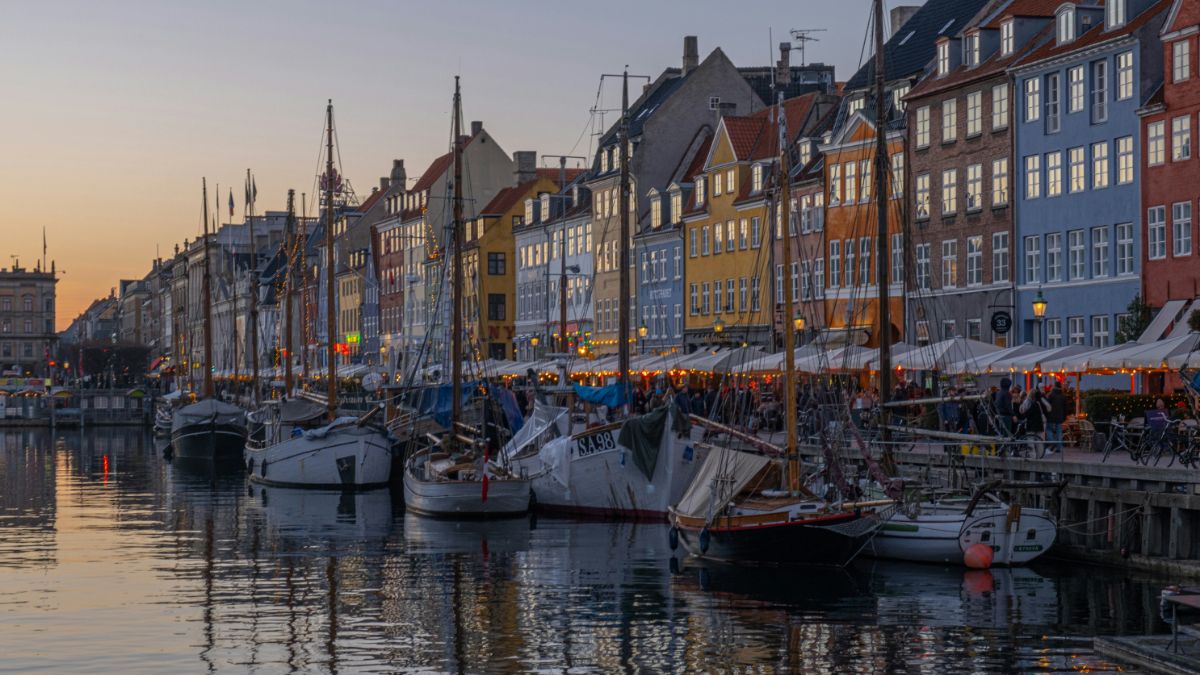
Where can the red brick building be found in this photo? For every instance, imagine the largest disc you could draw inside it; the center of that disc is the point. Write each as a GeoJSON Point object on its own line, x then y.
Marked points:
{"type": "Point", "coordinates": [1170, 166]}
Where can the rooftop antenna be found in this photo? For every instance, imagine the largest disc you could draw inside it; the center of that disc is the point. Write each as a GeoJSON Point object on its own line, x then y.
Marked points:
{"type": "Point", "coordinates": [803, 36]}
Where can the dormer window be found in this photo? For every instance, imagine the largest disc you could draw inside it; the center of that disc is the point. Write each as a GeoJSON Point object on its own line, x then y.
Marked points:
{"type": "Point", "coordinates": [805, 152]}
{"type": "Point", "coordinates": [855, 104]}
{"type": "Point", "coordinates": [898, 95]}
{"type": "Point", "coordinates": [546, 213]}
{"type": "Point", "coordinates": [676, 206]}
{"type": "Point", "coordinates": [756, 178]}
{"type": "Point", "coordinates": [700, 190]}
{"type": "Point", "coordinates": [1007, 43]}
{"type": "Point", "coordinates": [971, 50]}
{"type": "Point", "coordinates": [604, 161]}
{"type": "Point", "coordinates": [655, 210]}
{"type": "Point", "coordinates": [1114, 14]}
{"type": "Point", "coordinates": [1066, 24]}
{"type": "Point", "coordinates": [529, 210]}
{"type": "Point", "coordinates": [943, 58]}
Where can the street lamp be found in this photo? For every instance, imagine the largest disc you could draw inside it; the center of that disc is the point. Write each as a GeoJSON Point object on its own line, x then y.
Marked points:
{"type": "Point", "coordinates": [1039, 313]}
{"type": "Point", "coordinates": [642, 332]}
{"type": "Point", "coordinates": [718, 326]}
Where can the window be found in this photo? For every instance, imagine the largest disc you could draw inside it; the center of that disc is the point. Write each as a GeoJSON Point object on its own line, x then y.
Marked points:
{"type": "Point", "coordinates": [999, 257]}
{"type": "Point", "coordinates": [1053, 124]}
{"type": "Point", "coordinates": [1099, 91]}
{"type": "Point", "coordinates": [678, 264]}
{"type": "Point", "coordinates": [692, 240]}
{"type": "Point", "coordinates": [742, 291]}
{"type": "Point", "coordinates": [864, 183]}
{"type": "Point", "coordinates": [1124, 76]}
{"type": "Point", "coordinates": [1125, 160]}
{"type": "Point", "coordinates": [898, 95]}
{"type": "Point", "coordinates": [835, 264]}
{"type": "Point", "coordinates": [949, 329]}
{"type": "Point", "coordinates": [835, 184]}
{"type": "Point", "coordinates": [1181, 138]}
{"type": "Point", "coordinates": [897, 175]}
{"type": "Point", "coordinates": [971, 49]}
{"type": "Point", "coordinates": [999, 106]}
{"type": "Point", "coordinates": [1054, 333]}
{"type": "Point", "coordinates": [1006, 38]}
{"type": "Point", "coordinates": [974, 113]}
{"type": "Point", "coordinates": [496, 263]}
{"type": "Point", "coordinates": [1099, 252]}
{"type": "Point", "coordinates": [730, 296]}
{"type": "Point", "coordinates": [1054, 256]}
{"type": "Point", "coordinates": [1076, 328]}
{"type": "Point", "coordinates": [1114, 14]}
{"type": "Point", "coordinates": [756, 178]}
{"type": "Point", "coordinates": [975, 260]}
{"type": "Point", "coordinates": [718, 238]}
{"type": "Point", "coordinates": [1100, 331]}
{"type": "Point", "coordinates": [949, 121]}
{"type": "Point", "coordinates": [676, 206]}
{"type": "Point", "coordinates": [1181, 229]}
{"type": "Point", "coordinates": [678, 321]}
{"type": "Point", "coordinates": [1077, 158]}
{"type": "Point", "coordinates": [1124, 248]}
{"type": "Point", "coordinates": [943, 58]}
{"type": "Point", "coordinates": [1075, 244]}
{"type": "Point", "coordinates": [729, 181]}
{"type": "Point", "coordinates": [818, 278]}
{"type": "Point", "coordinates": [1181, 60]}
{"type": "Point", "coordinates": [923, 266]}
{"type": "Point", "coordinates": [754, 295]}
{"type": "Point", "coordinates": [1156, 232]}
{"type": "Point", "coordinates": [897, 258]}
{"type": "Point", "coordinates": [974, 329]}
{"type": "Point", "coordinates": [1155, 143]}
{"type": "Point", "coordinates": [27, 303]}
{"type": "Point", "coordinates": [864, 260]}
{"type": "Point", "coordinates": [923, 127]}
{"type": "Point", "coordinates": [1033, 99]}
{"type": "Point", "coordinates": [1053, 174]}
{"type": "Point", "coordinates": [699, 190]}
{"type": "Point", "coordinates": [743, 234]}
{"type": "Point", "coordinates": [974, 187]}
{"type": "Point", "coordinates": [716, 184]}
{"type": "Point", "coordinates": [755, 232]}
{"type": "Point", "coordinates": [1065, 31]}
{"type": "Point", "coordinates": [922, 333]}
{"type": "Point", "coordinates": [922, 196]}
{"type": "Point", "coordinates": [1100, 165]}
{"type": "Point", "coordinates": [656, 212]}
{"type": "Point", "coordinates": [496, 310]}
{"type": "Point", "coordinates": [848, 250]}
{"type": "Point", "coordinates": [1000, 182]}
{"type": "Point", "coordinates": [730, 242]}
{"type": "Point", "coordinates": [694, 295]}
{"type": "Point", "coordinates": [850, 171]}
{"type": "Point", "coordinates": [704, 240]}
{"type": "Point", "coordinates": [949, 192]}
{"type": "Point", "coordinates": [1033, 177]}
{"type": "Point", "coordinates": [950, 263]}
{"type": "Point", "coordinates": [1077, 81]}
{"type": "Point", "coordinates": [855, 105]}
{"type": "Point", "coordinates": [704, 298]}
{"type": "Point", "coordinates": [795, 273]}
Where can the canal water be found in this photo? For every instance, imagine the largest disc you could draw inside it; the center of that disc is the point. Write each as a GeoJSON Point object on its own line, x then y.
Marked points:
{"type": "Point", "coordinates": [114, 560]}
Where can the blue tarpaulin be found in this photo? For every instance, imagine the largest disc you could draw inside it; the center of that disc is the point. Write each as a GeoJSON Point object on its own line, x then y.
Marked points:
{"type": "Point", "coordinates": [512, 412]}
{"type": "Point", "coordinates": [436, 402]}
{"type": "Point", "coordinates": [612, 396]}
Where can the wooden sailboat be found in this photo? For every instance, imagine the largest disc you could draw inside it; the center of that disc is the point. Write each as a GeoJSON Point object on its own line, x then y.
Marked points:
{"type": "Point", "coordinates": [208, 429]}
{"type": "Point", "coordinates": [454, 476]}
{"type": "Point", "coordinates": [347, 452]}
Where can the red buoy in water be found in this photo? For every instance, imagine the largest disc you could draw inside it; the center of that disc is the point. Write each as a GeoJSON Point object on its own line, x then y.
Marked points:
{"type": "Point", "coordinates": [978, 556]}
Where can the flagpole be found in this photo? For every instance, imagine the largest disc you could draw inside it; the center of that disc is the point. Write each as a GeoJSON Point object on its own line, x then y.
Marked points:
{"type": "Point", "coordinates": [251, 193]}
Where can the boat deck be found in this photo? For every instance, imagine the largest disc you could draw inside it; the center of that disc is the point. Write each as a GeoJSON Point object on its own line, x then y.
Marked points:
{"type": "Point", "coordinates": [1149, 653]}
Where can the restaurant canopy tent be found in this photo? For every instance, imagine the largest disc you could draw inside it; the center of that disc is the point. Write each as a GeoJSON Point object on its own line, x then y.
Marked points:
{"type": "Point", "coordinates": [1154, 355]}
{"type": "Point", "coordinates": [941, 354]}
{"type": "Point", "coordinates": [725, 361]}
{"type": "Point", "coordinates": [985, 364]}
{"type": "Point", "coordinates": [773, 363]}
{"type": "Point", "coordinates": [1076, 358]}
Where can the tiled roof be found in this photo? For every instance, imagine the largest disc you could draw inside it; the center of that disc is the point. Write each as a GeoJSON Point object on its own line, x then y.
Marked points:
{"type": "Point", "coordinates": [1095, 36]}
{"type": "Point", "coordinates": [371, 200]}
{"type": "Point", "coordinates": [907, 52]}
{"type": "Point", "coordinates": [506, 199]}
{"type": "Point", "coordinates": [1184, 14]}
{"type": "Point", "coordinates": [697, 165]}
{"type": "Point", "coordinates": [1028, 8]}
{"type": "Point", "coordinates": [553, 174]}
{"type": "Point", "coordinates": [436, 168]}
{"type": "Point", "coordinates": [757, 136]}
{"type": "Point", "coordinates": [994, 65]}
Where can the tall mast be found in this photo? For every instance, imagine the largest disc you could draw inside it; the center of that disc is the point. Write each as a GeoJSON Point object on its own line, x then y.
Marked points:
{"type": "Point", "coordinates": [288, 284]}
{"type": "Point", "coordinates": [562, 267]}
{"type": "Point", "coordinates": [330, 308]}
{"type": "Point", "coordinates": [623, 245]}
{"type": "Point", "coordinates": [457, 289]}
{"type": "Point", "coordinates": [789, 307]}
{"type": "Point", "coordinates": [883, 259]}
{"type": "Point", "coordinates": [304, 291]}
{"type": "Point", "coordinates": [251, 189]}
{"type": "Point", "coordinates": [206, 299]}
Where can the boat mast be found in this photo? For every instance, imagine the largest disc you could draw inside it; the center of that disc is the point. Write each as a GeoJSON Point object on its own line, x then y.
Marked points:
{"type": "Point", "coordinates": [251, 189]}
{"type": "Point", "coordinates": [883, 259]}
{"type": "Point", "coordinates": [789, 308]}
{"type": "Point", "coordinates": [623, 246]}
{"type": "Point", "coordinates": [304, 291]}
{"type": "Point", "coordinates": [330, 315]}
{"type": "Point", "coordinates": [288, 283]}
{"type": "Point", "coordinates": [457, 286]}
{"type": "Point", "coordinates": [206, 291]}
{"type": "Point", "coordinates": [562, 265]}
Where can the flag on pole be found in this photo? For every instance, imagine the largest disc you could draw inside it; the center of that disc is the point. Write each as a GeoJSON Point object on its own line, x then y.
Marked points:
{"type": "Point", "coordinates": [247, 191]}
{"type": "Point", "coordinates": [253, 190]}
{"type": "Point", "coordinates": [231, 203]}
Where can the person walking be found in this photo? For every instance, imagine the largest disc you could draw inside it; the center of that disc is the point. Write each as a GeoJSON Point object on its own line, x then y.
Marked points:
{"type": "Point", "coordinates": [1005, 414]}
{"type": "Point", "coordinates": [1056, 414]}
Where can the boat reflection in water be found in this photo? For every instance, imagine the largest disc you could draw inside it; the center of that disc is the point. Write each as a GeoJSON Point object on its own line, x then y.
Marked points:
{"type": "Point", "coordinates": [312, 516]}
{"type": "Point", "coordinates": [425, 535]}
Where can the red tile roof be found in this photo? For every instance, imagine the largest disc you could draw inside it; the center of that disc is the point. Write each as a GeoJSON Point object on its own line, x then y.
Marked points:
{"type": "Point", "coordinates": [757, 136]}
{"type": "Point", "coordinates": [370, 200]}
{"type": "Point", "coordinates": [697, 165]}
{"type": "Point", "coordinates": [506, 199]}
{"type": "Point", "coordinates": [1096, 35]}
{"type": "Point", "coordinates": [436, 168]}
{"type": "Point", "coordinates": [995, 65]}
{"type": "Point", "coordinates": [553, 173]}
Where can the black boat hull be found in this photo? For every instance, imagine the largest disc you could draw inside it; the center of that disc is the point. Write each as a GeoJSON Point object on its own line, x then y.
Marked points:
{"type": "Point", "coordinates": [209, 441]}
{"type": "Point", "coordinates": [819, 541]}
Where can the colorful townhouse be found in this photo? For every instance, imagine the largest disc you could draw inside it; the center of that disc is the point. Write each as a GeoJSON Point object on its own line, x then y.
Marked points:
{"type": "Point", "coordinates": [1076, 150]}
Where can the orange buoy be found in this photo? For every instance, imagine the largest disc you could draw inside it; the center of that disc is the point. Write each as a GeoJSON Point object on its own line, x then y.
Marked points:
{"type": "Point", "coordinates": [978, 582]}
{"type": "Point", "coordinates": [978, 556]}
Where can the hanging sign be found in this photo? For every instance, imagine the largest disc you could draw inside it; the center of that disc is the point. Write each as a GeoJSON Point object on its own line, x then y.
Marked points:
{"type": "Point", "coordinates": [1001, 322]}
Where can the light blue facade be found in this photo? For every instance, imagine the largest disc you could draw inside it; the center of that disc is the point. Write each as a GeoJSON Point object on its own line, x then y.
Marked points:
{"type": "Point", "coordinates": [1076, 173]}
{"type": "Point", "coordinates": [660, 289]}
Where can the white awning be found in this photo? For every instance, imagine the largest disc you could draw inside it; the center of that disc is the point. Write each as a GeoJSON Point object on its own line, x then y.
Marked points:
{"type": "Point", "coordinates": [940, 354]}
{"type": "Point", "coordinates": [985, 363]}
{"type": "Point", "coordinates": [1181, 326]}
{"type": "Point", "coordinates": [1165, 317]}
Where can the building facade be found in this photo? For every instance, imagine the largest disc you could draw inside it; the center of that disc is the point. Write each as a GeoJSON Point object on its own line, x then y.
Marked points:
{"type": "Point", "coordinates": [27, 335]}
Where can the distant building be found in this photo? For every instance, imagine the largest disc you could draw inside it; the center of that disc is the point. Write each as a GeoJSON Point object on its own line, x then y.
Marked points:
{"type": "Point", "coordinates": [27, 334]}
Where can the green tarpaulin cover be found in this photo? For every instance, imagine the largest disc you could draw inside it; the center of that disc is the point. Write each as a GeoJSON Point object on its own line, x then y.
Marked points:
{"type": "Point", "coordinates": [643, 436]}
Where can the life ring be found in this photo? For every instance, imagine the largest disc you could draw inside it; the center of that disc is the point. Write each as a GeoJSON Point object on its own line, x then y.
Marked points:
{"type": "Point", "coordinates": [703, 540]}
{"type": "Point", "coordinates": [673, 537]}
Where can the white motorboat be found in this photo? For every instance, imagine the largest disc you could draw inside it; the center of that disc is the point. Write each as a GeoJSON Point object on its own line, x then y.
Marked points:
{"type": "Point", "coordinates": [347, 454]}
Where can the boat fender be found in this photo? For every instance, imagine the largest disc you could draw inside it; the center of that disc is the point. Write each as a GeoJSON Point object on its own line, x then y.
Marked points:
{"type": "Point", "coordinates": [250, 465]}
{"type": "Point", "coordinates": [533, 502]}
{"type": "Point", "coordinates": [673, 565]}
{"type": "Point", "coordinates": [262, 469]}
{"type": "Point", "coordinates": [673, 538]}
{"type": "Point", "coordinates": [703, 540]}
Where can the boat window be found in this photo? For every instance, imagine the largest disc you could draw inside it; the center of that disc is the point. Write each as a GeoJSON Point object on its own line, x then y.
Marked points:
{"type": "Point", "coordinates": [985, 536]}
{"type": "Point", "coordinates": [1031, 535]}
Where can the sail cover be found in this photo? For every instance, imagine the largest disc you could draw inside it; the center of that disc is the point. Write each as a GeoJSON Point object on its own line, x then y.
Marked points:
{"type": "Point", "coordinates": [724, 474]}
{"type": "Point", "coordinates": [209, 411]}
{"type": "Point", "coordinates": [612, 396]}
{"type": "Point", "coordinates": [547, 422]}
{"type": "Point", "coordinates": [643, 435]}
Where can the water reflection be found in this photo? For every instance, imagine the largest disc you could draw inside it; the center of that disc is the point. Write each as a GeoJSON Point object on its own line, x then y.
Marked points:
{"type": "Point", "coordinates": [113, 559]}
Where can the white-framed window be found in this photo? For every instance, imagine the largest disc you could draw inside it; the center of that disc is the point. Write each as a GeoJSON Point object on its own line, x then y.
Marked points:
{"type": "Point", "coordinates": [1156, 143]}
{"type": "Point", "coordinates": [819, 277]}
{"type": "Point", "coordinates": [974, 113]}
{"type": "Point", "coordinates": [855, 105]}
{"type": "Point", "coordinates": [850, 171]}
{"type": "Point", "coordinates": [848, 253]}
{"type": "Point", "coordinates": [949, 328]}
{"type": "Point", "coordinates": [1054, 173]}
{"type": "Point", "coordinates": [943, 58]}
{"type": "Point", "coordinates": [1053, 103]}
{"type": "Point", "coordinates": [700, 190]}
{"type": "Point", "coordinates": [1181, 229]}
{"type": "Point", "coordinates": [974, 187]}
{"type": "Point", "coordinates": [730, 234]}
{"type": "Point", "coordinates": [1000, 107]}
{"type": "Point", "coordinates": [1099, 252]}
{"type": "Point", "coordinates": [796, 290]}
{"type": "Point", "coordinates": [835, 184]}
{"type": "Point", "coordinates": [864, 182]}
{"type": "Point", "coordinates": [1000, 257]}
{"type": "Point", "coordinates": [922, 254]}
{"type": "Point", "coordinates": [1054, 256]}
{"type": "Point", "coordinates": [1156, 232]}
{"type": "Point", "coordinates": [716, 184]}
{"type": "Point", "coordinates": [718, 238]}
{"type": "Point", "coordinates": [678, 264]}
{"type": "Point", "coordinates": [704, 245]}
{"type": "Point", "coordinates": [1099, 91]}
{"type": "Point", "coordinates": [971, 50]}
{"type": "Point", "coordinates": [1054, 338]}
{"type": "Point", "coordinates": [1100, 177]}
{"type": "Point", "coordinates": [1007, 43]}
{"type": "Point", "coordinates": [950, 263]}
{"type": "Point", "coordinates": [1181, 60]}
{"type": "Point", "coordinates": [678, 321]}
{"type": "Point", "coordinates": [864, 260]}
{"type": "Point", "coordinates": [755, 232]}
{"type": "Point", "coordinates": [731, 296]}
{"type": "Point", "coordinates": [1124, 249]}
{"type": "Point", "coordinates": [1181, 138]}
{"type": "Point", "coordinates": [1076, 243]}
{"type": "Point", "coordinates": [1124, 76]}
{"type": "Point", "coordinates": [755, 299]}
{"type": "Point", "coordinates": [1065, 30]}
{"type": "Point", "coordinates": [1077, 330]}
{"type": "Point", "coordinates": [778, 285]}
{"type": "Point", "coordinates": [975, 260]}
{"type": "Point", "coordinates": [1000, 181]}
{"type": "Point", "coordinates": [975, 329]}
{"type": "Point", "coordinates": [922, 196]}
{"type": "Point", "coordinates": [949, 120]}
{"type": "Point", "coordinates": [1077, 161]}
{"type": "Point", "coordinates": [693, 240]}
{"type": "Point", "coordinates": [1124, 160]}
{"type": "Point", "coordinates": [897, 174]}
{"type": "Point", "coordinates": [730, 181]}
{"type": "Point", "coordinates": [705, 300]}
{"type": "Point", "coordinates": [898, 95]}
{"type": "Point", "coordinates": [743, 290]}
{"type": "Point", "coordinates": [897, 258]}
{"type": "Point", "coordinates": [949, 192]}
{"type": "Point", "coordinates": [1033, 99]}
{"type": "Point", "coordinates": [835, 264]}
{"type": "Point", "coordinates": [656, 212]}
{"type": "Point", "coordinates": [744, 233]}
{"type": "Point", "coordinates": [756, 178]}
{"type": "Point", "coordinates": [1100, 331]}
{"type": "Point", "coordinates": [1033, 176]}
{"type": "Point", "coordinates": [1114, 14]}
{"type": "Point", "coordinates": [923, 127]}
{"type": "Point", "coordinates": [1077, 79]}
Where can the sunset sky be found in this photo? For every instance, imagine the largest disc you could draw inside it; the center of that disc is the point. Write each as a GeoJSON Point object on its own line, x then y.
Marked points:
{"type": "Point", "coordinates": [114, 111]}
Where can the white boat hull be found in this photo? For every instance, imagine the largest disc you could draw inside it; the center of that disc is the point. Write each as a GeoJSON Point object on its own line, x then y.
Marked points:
{"type": "Point", "coordinates": [349, 457]}
{"type": "Point", "coordinates": [944, 537]}
{"type": "Point", "coordinates": [497, 497]}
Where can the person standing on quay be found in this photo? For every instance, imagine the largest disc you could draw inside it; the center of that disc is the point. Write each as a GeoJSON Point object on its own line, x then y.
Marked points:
{"type": "Point", "coordinates": [1056, 414]}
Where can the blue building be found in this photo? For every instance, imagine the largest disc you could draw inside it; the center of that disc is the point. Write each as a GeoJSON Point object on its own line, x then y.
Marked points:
{"type": "Point", "coordinates": [1076, 156]}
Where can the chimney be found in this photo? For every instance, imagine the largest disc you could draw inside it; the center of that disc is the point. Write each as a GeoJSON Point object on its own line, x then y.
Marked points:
{"type": "Point", "coordinates": [526, 161]}
{"type": "Point", "coordinates": [901, 15]}
{"type": "Point", "coordinates": [691, 54]}
{"type": "Point", "coordinates": [476, 127]}
{"type": "Point", "coordinates": [783, 69]}
{"type": "Point", "coordinates": [384, 182]}
{"type": "Point", "coordinates": [398, 174]}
